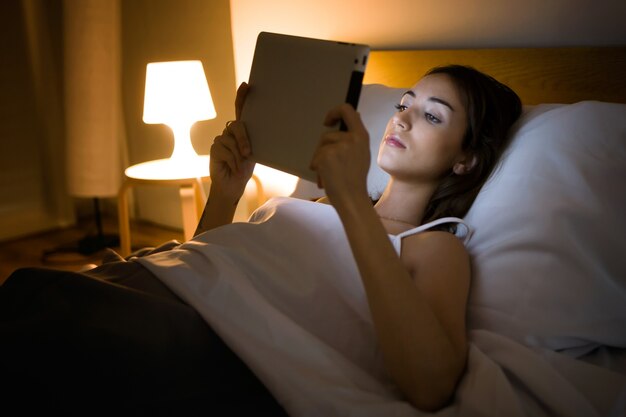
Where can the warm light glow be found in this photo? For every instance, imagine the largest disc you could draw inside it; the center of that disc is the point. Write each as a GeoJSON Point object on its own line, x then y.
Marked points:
{"type": "Point", "coordinates": [170, 169]}
{"type": "Point", "coordinates": [275, 183]}
{"type": "Point", "coordinates": [177, 94]}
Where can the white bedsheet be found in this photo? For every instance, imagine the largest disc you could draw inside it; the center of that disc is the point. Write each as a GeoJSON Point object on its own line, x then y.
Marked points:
{"type": "Point", "coordinates": [303, 326]}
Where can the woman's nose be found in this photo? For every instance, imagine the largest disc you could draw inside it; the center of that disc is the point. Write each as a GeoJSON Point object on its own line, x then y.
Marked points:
{"type": "Point", "coordinates": [401, 121]}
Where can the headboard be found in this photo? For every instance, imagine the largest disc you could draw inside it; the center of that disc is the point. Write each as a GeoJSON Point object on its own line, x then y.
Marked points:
{"type": "Point", "coordinates": [538, 75]}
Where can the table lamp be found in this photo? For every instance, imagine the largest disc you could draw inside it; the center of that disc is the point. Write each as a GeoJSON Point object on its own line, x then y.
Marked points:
{"type": "Point", "coordinates": [177, 95]}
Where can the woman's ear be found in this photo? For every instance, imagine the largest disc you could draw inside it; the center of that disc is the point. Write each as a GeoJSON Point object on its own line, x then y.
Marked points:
{"type": "Point", "coordinates": [465, 165]}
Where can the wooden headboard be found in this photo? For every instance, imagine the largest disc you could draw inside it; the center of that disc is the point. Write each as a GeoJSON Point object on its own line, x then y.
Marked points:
{"type": "Point", "coordinates": [538, 75]}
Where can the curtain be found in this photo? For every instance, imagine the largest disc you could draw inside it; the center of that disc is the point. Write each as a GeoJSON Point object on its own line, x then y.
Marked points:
{"type": "Point", "coordinates": [93, 110]}
{"type": "Point", "coordinates": [33, 192]}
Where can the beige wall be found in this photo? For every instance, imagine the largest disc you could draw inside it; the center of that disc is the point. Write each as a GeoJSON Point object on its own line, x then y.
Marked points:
{"type": "Point", "coordinates": [394, 24]}
{"type": "Point", "coordinates": [163, 30]}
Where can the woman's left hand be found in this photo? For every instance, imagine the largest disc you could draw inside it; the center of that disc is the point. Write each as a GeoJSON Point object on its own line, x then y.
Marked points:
{"type": "Point", "coordinates": [342, 158]}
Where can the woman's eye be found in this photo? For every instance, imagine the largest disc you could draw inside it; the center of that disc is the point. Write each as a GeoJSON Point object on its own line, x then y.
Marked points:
{"type": "Point", "coordinates": [400, 107]}
{"type": "Point", "coordinates": [431, 118]}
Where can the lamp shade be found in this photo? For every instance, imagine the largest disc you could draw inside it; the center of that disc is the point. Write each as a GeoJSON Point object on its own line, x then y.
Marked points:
{"type": "Point", "coordinates": [177, 93]}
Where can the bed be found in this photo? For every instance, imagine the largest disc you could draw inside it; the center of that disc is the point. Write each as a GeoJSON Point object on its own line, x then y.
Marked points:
{"type": "Point", "coordinates": [547, 309]}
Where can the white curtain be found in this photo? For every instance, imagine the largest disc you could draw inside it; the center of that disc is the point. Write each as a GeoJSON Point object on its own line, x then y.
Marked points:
{"type": "Point", "coordinates": [33, 192]}
{"type": "Point", "coordinates": [93, 111]}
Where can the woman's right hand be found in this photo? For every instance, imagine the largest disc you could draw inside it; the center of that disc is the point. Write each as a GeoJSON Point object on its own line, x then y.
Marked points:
{"type": "Point", "coordinates": [231, 166]}
{"type": "Point", "coordinates": [342, 158]}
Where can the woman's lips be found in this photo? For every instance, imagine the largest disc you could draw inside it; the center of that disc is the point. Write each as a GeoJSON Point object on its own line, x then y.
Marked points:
{"type": "Point", "coordinates": [394, 142]}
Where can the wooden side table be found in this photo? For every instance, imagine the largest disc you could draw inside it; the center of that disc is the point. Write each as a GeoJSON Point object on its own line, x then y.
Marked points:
{"type": "Point", "coordinates": [188, 177]}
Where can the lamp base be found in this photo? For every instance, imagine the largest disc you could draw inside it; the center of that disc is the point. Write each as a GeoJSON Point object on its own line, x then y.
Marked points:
{"type": "Point", "coordinates": [92, 244]}
{"type": "Point", "coordinates": [87, 246]}
{"type": "Point", "coordinates": [79, 252]}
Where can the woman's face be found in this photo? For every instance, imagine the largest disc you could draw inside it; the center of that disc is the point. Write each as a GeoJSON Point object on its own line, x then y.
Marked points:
{"type": "Point", "coordinates": [423, 139]}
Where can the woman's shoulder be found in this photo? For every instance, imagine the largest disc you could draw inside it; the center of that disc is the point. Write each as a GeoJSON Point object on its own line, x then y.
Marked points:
{"type": "Point", "coordinates": [436, 237]}
{"type": "Point", "coordinates": [434, 245]}
{"type": "Point", "coordinates": [438, 263]}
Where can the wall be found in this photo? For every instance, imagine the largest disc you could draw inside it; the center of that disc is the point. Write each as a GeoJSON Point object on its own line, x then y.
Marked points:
{"type": "Point", "coordinates": [164, 30]}
{"type": "Point", "coordinates": [397, 24]}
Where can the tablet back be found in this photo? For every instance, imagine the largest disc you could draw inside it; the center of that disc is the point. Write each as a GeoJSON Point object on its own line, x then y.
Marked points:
{"type": "Point", "coordinates": [294, 81]}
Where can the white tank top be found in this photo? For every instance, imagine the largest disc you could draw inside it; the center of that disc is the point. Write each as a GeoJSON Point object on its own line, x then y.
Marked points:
{"type": "Point", "coordinates": [284, 292]}
{"type": "Point", "coordinates": [462, 231]}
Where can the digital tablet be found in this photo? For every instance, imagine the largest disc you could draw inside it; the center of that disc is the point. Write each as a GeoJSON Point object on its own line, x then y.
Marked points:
{"type": "Point", "coordinates": [294, 81]}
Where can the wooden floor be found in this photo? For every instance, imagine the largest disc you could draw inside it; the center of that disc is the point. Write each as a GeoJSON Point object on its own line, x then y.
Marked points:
{"type": "Point", "coordinates": [56, 249]}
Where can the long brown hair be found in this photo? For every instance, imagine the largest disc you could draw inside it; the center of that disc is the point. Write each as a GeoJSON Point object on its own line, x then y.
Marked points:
{"type": "Point", "coordinates": [492, 108]}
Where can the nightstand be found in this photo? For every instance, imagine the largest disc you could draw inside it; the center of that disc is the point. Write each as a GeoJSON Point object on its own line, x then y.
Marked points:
{"type": "Point", "coordinates": [189, 178]}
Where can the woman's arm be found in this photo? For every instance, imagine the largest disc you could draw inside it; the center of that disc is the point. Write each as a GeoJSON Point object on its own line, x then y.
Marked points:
{"type": "Point", "coordinates": [218, 211]}
{"type": "Point", "coordinates": [230, 171]}
{"type": "Point", "coordinates": [417, 301]}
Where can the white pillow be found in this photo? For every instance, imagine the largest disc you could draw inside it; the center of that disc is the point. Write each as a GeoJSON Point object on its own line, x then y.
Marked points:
{"type": "Point", "coordinates": [376, 106]}
{"type": "Point", "coordinates": [549, 242]}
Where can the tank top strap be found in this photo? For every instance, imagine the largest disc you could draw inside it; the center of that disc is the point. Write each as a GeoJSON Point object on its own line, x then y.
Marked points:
{"type": "Point", "coordinates": [463, 231]}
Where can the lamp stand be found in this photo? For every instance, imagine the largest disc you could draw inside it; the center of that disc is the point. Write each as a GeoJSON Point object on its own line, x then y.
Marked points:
{"type": "Point", "coordinates": [92, 244]}
{"type": "Point", "coordinates": [89, 244]}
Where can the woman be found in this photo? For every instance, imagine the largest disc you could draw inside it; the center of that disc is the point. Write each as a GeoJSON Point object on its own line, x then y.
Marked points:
{"type": "Point", "coordinates": [439, 148]}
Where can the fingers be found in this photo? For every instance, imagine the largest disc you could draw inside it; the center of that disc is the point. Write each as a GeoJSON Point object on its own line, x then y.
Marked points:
{"type": "Point", "coordinates": [232, 146]}
{"type": "Point", "coordinates": [350, 117]}
{"type": "Point", "coordinates": [240, 99]}
{"type": "Point", "coordinates": [238, 131]}
{"type": "Point", "coordinates": [330, 144]}
{"type": "Point", "coordinates": [342, 158]}
{"type": "Point", "coordinates": [224, 150]}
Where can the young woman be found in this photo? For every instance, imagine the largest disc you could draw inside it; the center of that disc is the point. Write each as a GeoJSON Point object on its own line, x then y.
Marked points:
{"type": "Point", "coordinates": [439, 148]}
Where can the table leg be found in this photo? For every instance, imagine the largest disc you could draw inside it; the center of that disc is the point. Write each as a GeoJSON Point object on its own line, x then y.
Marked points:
{"type": "Point", "coordinates": [188, 205]}
{"type": "Point", "coordinates": [123, 220]}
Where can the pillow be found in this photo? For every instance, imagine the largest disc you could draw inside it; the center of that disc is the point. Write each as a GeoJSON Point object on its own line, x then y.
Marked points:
{"type": "Point", "coordinates": [548, 249]}
{"type": "Point", "coordinates": [376, 106]}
